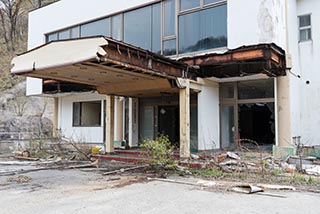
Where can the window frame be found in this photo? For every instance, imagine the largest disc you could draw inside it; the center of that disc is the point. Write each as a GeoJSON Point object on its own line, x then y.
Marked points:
{"type": "Point", "coordinates": [163, 38]}
{"type": "Point", "coordinates": [305, 28]}
{"type": "Point", "coordinates": [80, 111]}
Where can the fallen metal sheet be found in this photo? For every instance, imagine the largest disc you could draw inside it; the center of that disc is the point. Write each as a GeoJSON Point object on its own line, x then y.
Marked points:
{"type": "Point", "coordinates": [276, 187]}
{"type": "Point", "coordinates": [314, 170]}
{"type": "Point", "coordinates": [247, 189]}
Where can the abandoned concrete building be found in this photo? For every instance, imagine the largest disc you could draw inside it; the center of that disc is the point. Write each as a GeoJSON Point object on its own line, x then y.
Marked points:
{"type": "Point", "coordinates": [210, 74]}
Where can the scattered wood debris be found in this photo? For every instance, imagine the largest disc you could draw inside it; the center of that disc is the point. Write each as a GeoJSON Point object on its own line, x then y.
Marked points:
{"type": "Point", "coordinates": [20, 179]}
{"type": "Point", "coordinates": [122, 170]}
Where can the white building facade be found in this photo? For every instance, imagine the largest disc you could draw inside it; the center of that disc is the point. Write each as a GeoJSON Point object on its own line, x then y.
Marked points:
{"type": "Point", "coordinates": [224, 112]}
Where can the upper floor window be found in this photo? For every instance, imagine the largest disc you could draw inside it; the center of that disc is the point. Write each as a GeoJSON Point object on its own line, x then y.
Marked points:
{"type": "Point", "coordinates": [100, 27]}
{"type": "Point", "coordinates": [202, 30]}
{"type": "Point", "coordinates": [169, 28]}
{"type": "Point", "coordinates": [305, 28]}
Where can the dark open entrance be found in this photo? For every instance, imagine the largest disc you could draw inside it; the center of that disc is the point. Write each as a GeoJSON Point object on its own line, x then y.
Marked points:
{"type": "Point", "coordinates": [168, 123]}
{"type": "Point", "coordinates": [256, 123]}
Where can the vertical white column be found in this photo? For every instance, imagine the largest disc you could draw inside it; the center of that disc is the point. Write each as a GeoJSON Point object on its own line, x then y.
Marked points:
{"type": "Point", "coordinates": [133, 122]}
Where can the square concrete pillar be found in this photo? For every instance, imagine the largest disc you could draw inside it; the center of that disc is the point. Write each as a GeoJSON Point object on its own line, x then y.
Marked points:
{"type": "Point", "coordinates": [184, 103]}
{"type": "Point", "coordinates": [109, 144]}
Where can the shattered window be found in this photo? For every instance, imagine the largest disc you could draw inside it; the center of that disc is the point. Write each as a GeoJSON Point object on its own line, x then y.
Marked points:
{"type": "Point", "coordinates": [305, 28]}
{"type": "Point", "coordinates": [255, 89]}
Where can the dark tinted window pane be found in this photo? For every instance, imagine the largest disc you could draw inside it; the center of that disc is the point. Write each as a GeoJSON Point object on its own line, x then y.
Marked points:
{"type": "Point", "coordinates": [226, 90]}
{"type": "Point", "coordinates": [76, 114]}
{"type": "Point", "coordinates": [213, 32]}
{"type": "Point", "coordinates": [75, 32]}
{"type": "Point", "coordinates": [64, 34]}
{"type": "Point", "coordinates": [256, 89]}
{"type": "Point", "coordinates": [188, 4]}
{"type": "Point", "coordinates": [137, 27]}
{"type": "Point", "coordinates": [189, 27]}
{"type": "Point", "coordinates": [100, 27]}
{"type": "Point", "coordinates": [116, 27]}
{"type": "Point", "coordinates": [52, 37]}
{"type": "Point", "coordinates": [169, 47]}
{"type": "Point", "coordinates": [210, 1]}
{"type": "Point", "coordinates": [169, 18]}
{"type": "Point", "coordinates": [203, 30]}
{"type": "Point", "coordinates": [305, 34]}
{"type": "Point", "coordinates": [304, 21]}
{"type": "Point", "coordinates": [156, 28]}
{"type": "Point", "coordinates": [90, 114]}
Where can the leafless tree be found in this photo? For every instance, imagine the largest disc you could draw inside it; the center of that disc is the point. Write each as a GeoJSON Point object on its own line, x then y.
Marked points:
{"type": "Point", "coordinates": [10, 13]}
{"type": "Point", "coordinates": [40, 3]}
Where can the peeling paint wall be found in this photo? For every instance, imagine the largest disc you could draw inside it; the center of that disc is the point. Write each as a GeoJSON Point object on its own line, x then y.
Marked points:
{"type": "Point", "coordinates": [256, 21]}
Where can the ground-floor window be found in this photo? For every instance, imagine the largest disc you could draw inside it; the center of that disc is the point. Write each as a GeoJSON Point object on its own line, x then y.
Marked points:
{"type": "Point", "coordinates": [247, 114]}
{"type": "Point", "coordinates": [87, 114]}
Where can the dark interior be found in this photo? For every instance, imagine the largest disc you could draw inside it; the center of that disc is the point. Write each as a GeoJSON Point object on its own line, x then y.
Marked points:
{"type": "Point", "coordinates": [168, 123]}
{"type": "Point", "coordinates": [256, 123]}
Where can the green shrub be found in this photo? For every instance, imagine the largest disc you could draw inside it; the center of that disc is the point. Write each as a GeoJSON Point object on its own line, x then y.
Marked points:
{"type": "Point", "coordinates": [160, 152]}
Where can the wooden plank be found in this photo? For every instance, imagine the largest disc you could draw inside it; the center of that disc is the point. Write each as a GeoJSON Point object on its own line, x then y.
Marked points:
{"type": "Point", "coordinates": [109, 124]}
{"type": "Point", "coordinates": [55, 117]}
{"type": "Point", "coordinates": [137, 86]}
{"type": "Point", "coordinates": [184, 99]}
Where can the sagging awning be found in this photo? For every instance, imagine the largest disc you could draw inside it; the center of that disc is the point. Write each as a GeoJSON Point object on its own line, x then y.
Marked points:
{"type": "Point", "coordinates": [116, 68]}
{"type": "Point", "coordinates": [111, 66]}
{"type": "Point", "coordinates": [267, 59]}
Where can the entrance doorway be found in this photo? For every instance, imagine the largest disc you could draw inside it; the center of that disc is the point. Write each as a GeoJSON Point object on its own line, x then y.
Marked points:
{"type": "Point", "coordinates": [160, 116]}
{"type": "Point", "coordinates": [257, 124]}
{"type": "Point", "coordinates": [247, 116]}
{"type": "Point", "coordinates": [168, 123]}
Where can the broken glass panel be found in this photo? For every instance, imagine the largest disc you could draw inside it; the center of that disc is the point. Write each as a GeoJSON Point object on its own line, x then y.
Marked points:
{"type": "Point", "coordinates": [256, 89]}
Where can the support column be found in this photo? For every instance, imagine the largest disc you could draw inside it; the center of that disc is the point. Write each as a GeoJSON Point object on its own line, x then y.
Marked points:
{"type": "Point", "coordinates": [55, 117]}
{"type": "Point", "coordinates": [184, 101]}
{"type": "Point", "coordinates": [284, 113]}
{"type": "Point", "coordinates": [133, 122]}
{"type": "Point", "coordinates": [118, 119]}
{"type": "Point", "coordinates": [109, 144]}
